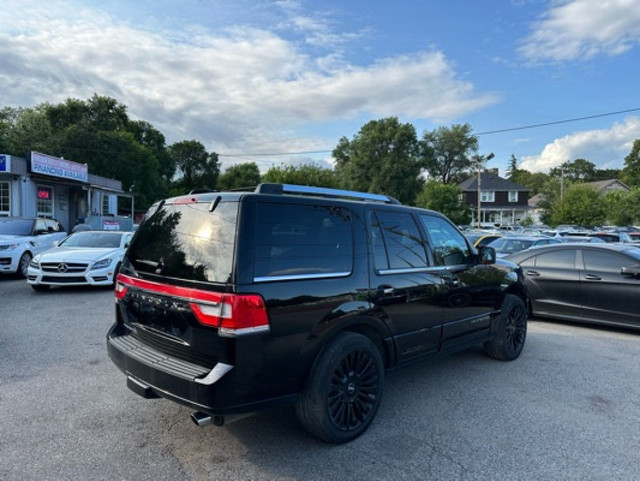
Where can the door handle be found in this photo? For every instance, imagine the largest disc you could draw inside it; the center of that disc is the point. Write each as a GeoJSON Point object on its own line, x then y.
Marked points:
{"type": "Point", "coordinates": [533, 273]}
{"type": "Point", "coordinates": [592, 277]}
{"type": "Point", "coordinates": [386, 290]}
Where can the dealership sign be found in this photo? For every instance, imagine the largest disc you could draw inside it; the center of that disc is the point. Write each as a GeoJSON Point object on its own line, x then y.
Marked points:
{"type": "Point", "coordinates": [5, 163]}
{"type": "Point", "coordinates": [53, 166]}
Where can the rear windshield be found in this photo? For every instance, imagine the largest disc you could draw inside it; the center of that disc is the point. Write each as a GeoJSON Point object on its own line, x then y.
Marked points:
{"type": "Point", "coordinates": [187, 241]}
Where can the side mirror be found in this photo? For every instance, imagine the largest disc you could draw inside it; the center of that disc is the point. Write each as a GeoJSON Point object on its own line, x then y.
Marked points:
{"type": "Point", "coordinates": [632, 271]}
{"type": "Point", "coordinates": [487, 255]}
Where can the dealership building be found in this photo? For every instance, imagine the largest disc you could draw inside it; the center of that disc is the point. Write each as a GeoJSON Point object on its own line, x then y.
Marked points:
{"type": "Point", "coordinates": [52, 187]}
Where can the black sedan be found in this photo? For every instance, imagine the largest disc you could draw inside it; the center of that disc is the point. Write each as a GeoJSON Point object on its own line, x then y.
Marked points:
{"type": "Point", "coordinates": [596, 283]}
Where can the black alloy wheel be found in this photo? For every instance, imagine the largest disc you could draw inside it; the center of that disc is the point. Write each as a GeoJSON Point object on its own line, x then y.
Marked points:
{"type": "Point", "coordinates": [344, 390]}
{"type": "Point", "coordinates": [515, 328]}
{"type": "Point", "coordinates": [510, 330]}
{"type": "Point", "coordinates": [353, 390]}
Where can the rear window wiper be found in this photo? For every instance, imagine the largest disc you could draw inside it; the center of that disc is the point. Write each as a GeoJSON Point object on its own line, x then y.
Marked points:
{"type": "Point", "coordinates": [158, 266]}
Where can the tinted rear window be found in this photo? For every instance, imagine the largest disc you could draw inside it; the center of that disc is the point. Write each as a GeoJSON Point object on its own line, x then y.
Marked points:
{"type": "Point", "coordinates": [302, 240]}
{"type": "Point", "coordinates": [187, 241]}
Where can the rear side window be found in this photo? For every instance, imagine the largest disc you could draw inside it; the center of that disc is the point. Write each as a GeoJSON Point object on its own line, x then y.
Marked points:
{"type": "Point", "coordinates": [449, 245]}
{"type": "Point", "coordinates": [187, 241]}
{"type": "Point", "coordinates": [604, 261]}
{"type": "Point", "coordinates": [397, 242]}
{"type": "Point", "coordinates": [560, 259]}
{"type": "Point", "coordinates": [302, 241]}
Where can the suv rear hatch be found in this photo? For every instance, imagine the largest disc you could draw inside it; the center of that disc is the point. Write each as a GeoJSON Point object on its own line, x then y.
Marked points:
{"type": "Point", "coordinates": [175, 286]}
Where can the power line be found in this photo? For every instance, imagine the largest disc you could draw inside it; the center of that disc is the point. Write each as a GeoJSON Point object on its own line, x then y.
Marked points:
{"type": "Point", "coordinates": [556, 122]}
{"type": "Point", "coordinates": [488, 132]}
{"type": "Point", "coordinates": [277, 153]}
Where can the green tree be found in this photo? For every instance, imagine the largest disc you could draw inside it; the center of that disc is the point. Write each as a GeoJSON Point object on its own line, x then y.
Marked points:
{"type": "Point", "coordinates": [382, 158]}
{"type": "Point", "coordinates": [306, 174]}
{"type": "Point", "coordinates": [512, 171]}
{"type": "Point", "coordinates": [147, 135]}
{"type": "Point", "coordinates": [448, 152]}
{"type": "Point", "coordinates": [444, 198]}
{"type": "Point", "coordinates": [631, 170]}
{"type": "Point", "coordinates": [239, 176]}
{"type": "Point", "coordinates": [622, 207]}
{"type": "Point", "coordinates": [197, 169]}
{"type": "Point", "coordinates": [578, 170]}
{"type": "Point", "coordinates": [581, 205]}
{"type": "Point", "coordinates": [533, 180]}
{"type": "Point", "coordinates": [30, 129]}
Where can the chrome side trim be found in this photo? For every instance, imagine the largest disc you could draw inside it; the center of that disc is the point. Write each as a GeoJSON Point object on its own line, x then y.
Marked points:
{"type": "Point", "coordinates": [215, 374]}
{"type": "Point", "coordinates": [405, 270]}
{"type": "Point", "coordinates": [300, 277]}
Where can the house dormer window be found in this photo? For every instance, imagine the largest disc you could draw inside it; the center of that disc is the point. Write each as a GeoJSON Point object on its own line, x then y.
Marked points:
{"type": "Point", "coordinates": [488, 196]}
{"type": "Point", "coordinates": [513, 196]}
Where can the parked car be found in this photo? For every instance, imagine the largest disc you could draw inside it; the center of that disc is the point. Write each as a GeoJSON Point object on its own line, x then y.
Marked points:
{"type": "Point", "coordinates": [512, 244]}
{"type": "Point", "coordinates": [23, 237]}
{"type": "Point", "coordinates": [596, 283]}
{"type": "Point", "coordinates": [84, 258]}
{"type": "Point", "coordinates": [481, 238]}
{"type": "Point", "coordinates": [229, 302]}
{"type": "Point", "coordinates": [611, 236]}
{"type": "Point", "coordinates": [582, 239]}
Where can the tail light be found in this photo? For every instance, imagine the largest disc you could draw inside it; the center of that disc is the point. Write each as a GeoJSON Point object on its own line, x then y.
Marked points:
{"type": "Point", "coordinates": [232, 314]}
{"type": "Point", "coordinates": [120, 288]}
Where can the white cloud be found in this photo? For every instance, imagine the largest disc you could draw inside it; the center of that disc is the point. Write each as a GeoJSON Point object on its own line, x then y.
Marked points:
{"type": "Point", "coordinates": [237, 89]}
{"type": "Point", "coordinates": [582, 29]}
{"type": "Point", "coordinates": [606, 148]}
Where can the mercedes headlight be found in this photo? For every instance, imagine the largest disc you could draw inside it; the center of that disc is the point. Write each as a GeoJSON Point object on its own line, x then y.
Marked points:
{"type": "Point", "coordinates": [101, 264]}
{"type": "Point", "coordinates": [9, 247]}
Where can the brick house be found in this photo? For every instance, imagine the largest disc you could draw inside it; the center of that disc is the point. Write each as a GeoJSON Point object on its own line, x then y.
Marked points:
{"type": "Point", "coordinates": [501, 201]}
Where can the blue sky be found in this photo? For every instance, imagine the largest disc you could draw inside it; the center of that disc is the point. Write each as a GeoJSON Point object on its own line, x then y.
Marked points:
{"type": "Point", "coordinates": [281, 77]}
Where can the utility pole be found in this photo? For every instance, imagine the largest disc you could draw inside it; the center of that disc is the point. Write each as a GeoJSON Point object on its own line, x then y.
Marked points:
{"type": "Point", "coordinates": [561, 181]}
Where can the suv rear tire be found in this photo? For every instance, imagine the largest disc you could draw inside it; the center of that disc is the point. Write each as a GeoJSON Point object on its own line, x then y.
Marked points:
{"type": "Point", "coordinates": [511, 332]}
{"type": "Point", "coordinates": [344, 389]}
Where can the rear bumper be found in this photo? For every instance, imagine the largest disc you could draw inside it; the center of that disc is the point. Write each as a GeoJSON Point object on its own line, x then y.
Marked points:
{"type": "Point", "coordinates": [152, 373]}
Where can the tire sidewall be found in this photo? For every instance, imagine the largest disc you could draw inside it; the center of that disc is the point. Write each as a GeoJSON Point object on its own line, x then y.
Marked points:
{"type": "Point", "coordinates": [500, 343]}
{"type": "Point", "coordinates": [313, 410]}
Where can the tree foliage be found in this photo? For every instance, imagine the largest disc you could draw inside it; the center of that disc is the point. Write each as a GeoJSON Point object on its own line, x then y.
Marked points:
{"type": "Point", "coordinates": [447, 152]}
{"type": "Point", "coordinates": [579, 170]}
{"type": "Point", "coordinates": [197, 168]}
{"type": "Point", "coordinates": [302, 175]}
{"type": "Point", "coordinates": [631, 171]}
{"type": "Point", "coordinates": [381, 158]}
{"type": "Point", "coordinates": [581, 205]}
{"type": "Point", "coordinates": [444, 198]}
{"type": "Point", "coordinates": [239, 176]}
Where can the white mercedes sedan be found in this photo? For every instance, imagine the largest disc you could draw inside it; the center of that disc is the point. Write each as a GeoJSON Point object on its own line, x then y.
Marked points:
{"type": "Point", "coordinates": [83, 258]}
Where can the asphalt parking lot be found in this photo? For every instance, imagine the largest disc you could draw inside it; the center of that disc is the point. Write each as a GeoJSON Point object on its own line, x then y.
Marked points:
{"type": "Point", "coordinates": [569, 408]}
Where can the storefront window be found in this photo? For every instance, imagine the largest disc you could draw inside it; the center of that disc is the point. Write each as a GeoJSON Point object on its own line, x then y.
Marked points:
{"type": "Point", "coordinates": [5, 198]}
{"type": "Point", "coordinates": [105, 204]}
{"type": "Point", "coordinates": [45, 201]}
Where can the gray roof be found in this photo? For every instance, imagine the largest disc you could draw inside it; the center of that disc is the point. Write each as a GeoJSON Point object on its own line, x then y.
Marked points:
{"type": "Point", "coordinates": [609, 184]}
{"type": "Point", "coordinates": [490, 181]}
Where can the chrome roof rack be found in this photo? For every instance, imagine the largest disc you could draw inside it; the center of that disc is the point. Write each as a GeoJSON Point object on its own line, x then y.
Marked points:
{"type": "Point", "coordinates": [269, 188]}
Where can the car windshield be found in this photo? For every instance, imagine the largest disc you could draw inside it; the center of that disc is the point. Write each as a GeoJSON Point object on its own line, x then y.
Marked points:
{"type": "Point", "coordinates": [16, 226]}
{"type": "Point", "coordinates": [92, 239]}
{"type": "Point", "coordinates": [507, 245]}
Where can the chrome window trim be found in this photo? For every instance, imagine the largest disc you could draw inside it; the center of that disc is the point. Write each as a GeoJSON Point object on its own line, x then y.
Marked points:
{"type": "Point", "coordinates": [405, 270]}
{"type": "Point", "coordinates": [300, 277]}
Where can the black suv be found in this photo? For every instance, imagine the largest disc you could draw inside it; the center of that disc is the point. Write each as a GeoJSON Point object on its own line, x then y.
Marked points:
{"type": "Point", "coordinates": [228, 302]}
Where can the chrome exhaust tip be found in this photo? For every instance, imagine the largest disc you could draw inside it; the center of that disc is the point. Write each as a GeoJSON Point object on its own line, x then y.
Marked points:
{"type": "Point", "coordinates": [200, 418]}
